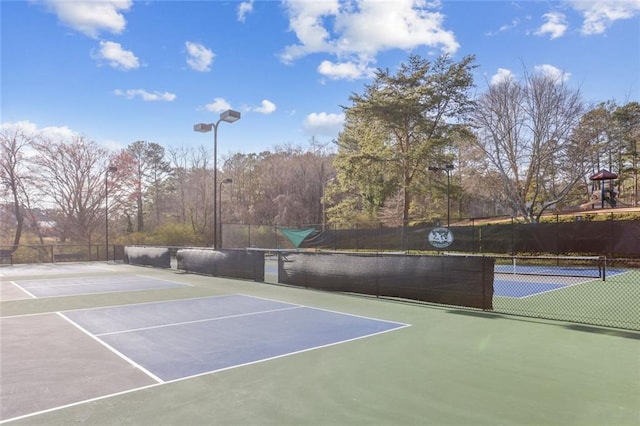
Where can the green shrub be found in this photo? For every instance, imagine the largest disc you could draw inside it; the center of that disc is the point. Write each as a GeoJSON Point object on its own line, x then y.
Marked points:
{"type": "Point", "coordinates": [134, 238]}
{"type": "Point", "coordinates": [174, 234]}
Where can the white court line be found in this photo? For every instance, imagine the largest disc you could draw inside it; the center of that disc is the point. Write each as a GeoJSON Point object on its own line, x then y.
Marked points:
{"type": "Point", "coordinates": [106, 291]}
{"type": "Point", "coordinates": [588, 281]}
{"type": "Point", "coordinates": [401, 326]}
{"type": "Point", "coordinates": [562, 286]}
{"type": "Point", "coordinates": [86, 281]}
{"type": "Point", "coordinates": [197, 321]}
{"type": "Point", "coordinates": [123, 304]}
{"type": "Point", "coordinates": [121, 355]}
{"type": "Point", "coordinates": [161, 382]}
{"type": "Point", "coordinates": [180, 379]}
{"type": "Point", "coordinates": [73, 404]}
{"type": "Point", "coordinates": [359, 316]}
{"type": "Point", "coordinates": [84, 284]}
{"type": "Point", "coordinates": [23, 289]}
{"type": "Point", "coordinates": [163, 279]}
{"type": "Point", "coordinates": [329, 310]}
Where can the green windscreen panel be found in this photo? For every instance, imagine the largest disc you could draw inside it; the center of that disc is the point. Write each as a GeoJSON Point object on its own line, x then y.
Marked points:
{"type": "Point", "coordinates": [296, 236]}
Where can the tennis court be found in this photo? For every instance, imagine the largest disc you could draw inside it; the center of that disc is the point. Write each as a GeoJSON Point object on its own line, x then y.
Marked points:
{"type": "Point", "coordinates": [192, 349]}
{"type": "Point", "coordinates": [57, 287]}
{"type": "Point", "coordinates": [520, 285]}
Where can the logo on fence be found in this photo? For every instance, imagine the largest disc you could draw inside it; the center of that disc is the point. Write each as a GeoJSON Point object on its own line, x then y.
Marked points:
{"type": "Point", "coordinates": [440, 237]}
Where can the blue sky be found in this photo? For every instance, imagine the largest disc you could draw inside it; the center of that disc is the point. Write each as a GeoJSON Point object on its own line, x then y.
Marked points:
{"type": "Point", "coordinates": [118, 71]}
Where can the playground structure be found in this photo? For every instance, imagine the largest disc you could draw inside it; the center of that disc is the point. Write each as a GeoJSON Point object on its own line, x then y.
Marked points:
{"type": "Point", "coordinates": [602, 194]}
{"type": "Point", "coordinates": [596, 198]}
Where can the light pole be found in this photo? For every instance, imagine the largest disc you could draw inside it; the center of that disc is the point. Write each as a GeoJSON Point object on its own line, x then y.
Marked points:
{"type": "Point", "coordinates": [228, 116]}
{"type": "Point", "coordinates": [110, 169]}
{"type": "Point", "coordinates": [225, 180]}
{"type": "Point", "coordinates": [447, 168]}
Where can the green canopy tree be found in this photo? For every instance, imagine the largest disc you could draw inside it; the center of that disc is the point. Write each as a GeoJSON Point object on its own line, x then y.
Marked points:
{"type": "Point", "coordinates": [149, 170]}
{"type": "Point", "coordinates": [610, 135]}
{"type": "Point", "coordinates": [400, 125]}
{"type": "Point", "coordinates": [627, 121]}
{"type": "Point", "coordinates": [596, 137]}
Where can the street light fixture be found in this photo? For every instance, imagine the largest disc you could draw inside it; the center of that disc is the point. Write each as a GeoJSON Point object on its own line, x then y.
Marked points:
{"type": "Point", "coordinates": [228, 116]}
{"type": "Point", "coordinates": [110, 169]}
{"type": "Point", "coordinates": [447, 168]}
{"type": "Point", "coordinates": [225, 180]}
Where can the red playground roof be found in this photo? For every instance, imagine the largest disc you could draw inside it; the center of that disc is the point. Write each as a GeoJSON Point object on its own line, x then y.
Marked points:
{"type": "Point", "coordinates": [603, 175]}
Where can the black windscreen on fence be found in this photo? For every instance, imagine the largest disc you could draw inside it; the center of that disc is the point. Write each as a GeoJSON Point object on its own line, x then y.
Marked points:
{"type": "Point", "coordinates": [461, 281]}
{"type": "Point", "coordinates": [158, 257]}
{"type": "Point", "coordinates": [609, 238]}
{"type": "Point", "coordinates": [223, 263]}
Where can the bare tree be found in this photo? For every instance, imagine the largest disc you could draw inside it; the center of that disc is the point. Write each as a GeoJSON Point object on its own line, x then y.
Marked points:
{"type": "Point", "coordinates": [14, 176]}
{"type": "Point", "coordinates": [525, 131]}
{"type": "Point", "coordinates": [283, 186]}
{"type": "Point", "coordinates": [71, 175]}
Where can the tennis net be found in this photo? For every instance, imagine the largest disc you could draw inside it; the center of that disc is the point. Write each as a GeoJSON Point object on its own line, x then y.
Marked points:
{"type": "Point", "coordinates": [562, 266]}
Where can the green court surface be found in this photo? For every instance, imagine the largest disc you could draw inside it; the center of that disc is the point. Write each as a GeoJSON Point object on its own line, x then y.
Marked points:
{"type": "Point", "coordinates": [448, 367]}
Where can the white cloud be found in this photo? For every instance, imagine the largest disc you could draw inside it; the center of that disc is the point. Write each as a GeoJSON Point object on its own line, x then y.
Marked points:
{"type": "Point", "coordinates": [91, 17]}
{"type": "Point", "coordinates": [146, 96]}
{"type": "Point", "coordinates": [506, 27]}
{"type": "Point", "coordinates": [355, 31]}
{"type": "Point", "coordinates": [501, 75]}
{"type": "Point", "coordinates": [244, 9]}
{"type": "Point", "coordinates": [399, 24]}
{"type": "Point", "coordinates": [199, 58]}
{"type": "Point", "coordinates": [116, 56]}
{"type": "Point", "coordinates": [555, 26]}
{"type": "Point", "coordinates": [323, 124]}
{"type": "Point", "coordinates": [267, 107]}
{"type": "Point", "coordinates": [25, 126]}
{"type": "Point", "coordinates": [552, 72]}
{"type": "Point", "coordinates": [305, 19]}
{"type": "Point", "coordinates": [344, 70]}
{"type": "Point", "coordinates": [53, 133]}
{"type": "Point", "coordinates": [218, 105]}
{"type": "Point", "coordinates": [31, 130]}
{"type": "Point", "coordinates": [58, 132]}
{"type": "Point", "coordinates": [600, 14]}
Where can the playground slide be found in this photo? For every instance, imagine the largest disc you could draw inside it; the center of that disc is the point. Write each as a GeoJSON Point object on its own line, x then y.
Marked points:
{"type": "Point", "coordinates": [596, 200]}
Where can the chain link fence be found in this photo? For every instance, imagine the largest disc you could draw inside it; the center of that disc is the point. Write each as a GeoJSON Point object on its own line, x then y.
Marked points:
{"type": "Point", "coordinates": [612, 235]}
{"type": "Point", "coordinates": [591, 288]}
{"type": "Point", "coordinates": [567, 281]}
{"type": "Point", "coordinates": [55, 253]}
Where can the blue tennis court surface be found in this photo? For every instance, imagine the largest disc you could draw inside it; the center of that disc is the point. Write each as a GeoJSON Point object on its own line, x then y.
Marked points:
{"type": "Point", "coordinates": [91, 285]}
{"type": "Point", "coordinates": [534, 281]}
{"type": "Point", "coordinates": [548, 270]}
{"type": "Point", "coordinates": [514, 288]}
{"type": "Point", "coordinates": [179, 339]}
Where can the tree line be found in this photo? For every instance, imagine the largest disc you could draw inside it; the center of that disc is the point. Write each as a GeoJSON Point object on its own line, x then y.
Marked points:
{"type": "Point", "coordinates": [416, 143]}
